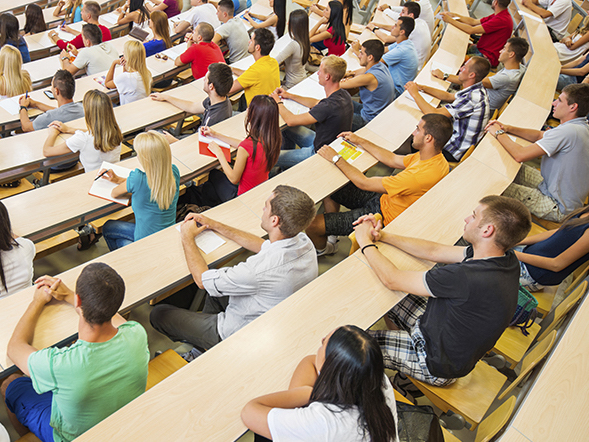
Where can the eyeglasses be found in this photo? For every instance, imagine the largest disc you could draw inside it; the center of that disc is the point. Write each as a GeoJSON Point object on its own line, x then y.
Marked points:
{"type": "Point", "coordinates": [161, 57]}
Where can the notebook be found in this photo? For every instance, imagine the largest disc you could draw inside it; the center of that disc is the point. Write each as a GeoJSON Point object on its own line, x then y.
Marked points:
{"type": "Point", "coordinates": [102, 188]}
{"type": "Point", "coordinates": [203, 147]}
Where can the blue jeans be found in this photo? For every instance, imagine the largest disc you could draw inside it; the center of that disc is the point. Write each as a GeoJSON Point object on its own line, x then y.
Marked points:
{"type": "Point", "coordinates": [357, 121]}
{"type": "Point", "coordinates": [118, 234]}
{"type": "Point", "coordinates": [291, 137]}
{"type": "Point", "coordinates": [565, 80]}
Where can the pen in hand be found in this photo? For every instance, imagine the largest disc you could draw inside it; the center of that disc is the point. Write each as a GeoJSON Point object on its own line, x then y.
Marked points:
{"type": "Point", "coordinates": [102, 174]}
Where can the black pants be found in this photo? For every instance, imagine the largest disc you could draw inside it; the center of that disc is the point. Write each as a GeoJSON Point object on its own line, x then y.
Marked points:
{"type": "Point", "coordinates": [213, 192]}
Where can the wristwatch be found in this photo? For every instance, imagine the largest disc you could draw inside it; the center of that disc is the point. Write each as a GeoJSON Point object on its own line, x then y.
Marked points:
{"type": "Point", "coordinates": [446, 76]}
{"type": "Point", "coordinates": [499, 132]}
{"type": "Point", "coordinates": [23, 107]}
{"type": "Point", "coordinates": [336, 158]}
{"type": "Point", "coordinates": [375, 28]}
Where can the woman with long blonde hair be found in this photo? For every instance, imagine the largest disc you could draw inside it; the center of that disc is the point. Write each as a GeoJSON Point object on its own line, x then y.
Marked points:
{"type": "Point", "coordinates": [154, 192]}
{"type": "Point", "coordinates": [134, 83]}
{"type": "Point", "coordinates": [14, 80]}
{"type": "Point", "coordinates": [102, 141]}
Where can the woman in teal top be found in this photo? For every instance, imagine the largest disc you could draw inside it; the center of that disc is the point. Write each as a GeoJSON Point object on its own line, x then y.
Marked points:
{"type": "Point", "coordinates": [154, 192]}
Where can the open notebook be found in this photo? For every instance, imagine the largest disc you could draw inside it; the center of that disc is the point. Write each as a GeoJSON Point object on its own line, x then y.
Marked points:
{"type": "Point", "coordinates": [203, 147]}
{"type": "Point", "coordinates": [102, 188]}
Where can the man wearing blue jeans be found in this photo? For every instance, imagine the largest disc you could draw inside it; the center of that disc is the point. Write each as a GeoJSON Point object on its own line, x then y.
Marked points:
{"type": "Point", "coordinates": [331, 115]}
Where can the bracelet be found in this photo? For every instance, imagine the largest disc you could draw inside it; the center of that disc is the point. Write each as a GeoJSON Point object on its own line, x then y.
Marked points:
{"type": "Point", "coordinates": [280, 102]}
{"type": "Point", "coordinates": [368, 245]}
{"type": "Point", "coordinates": [23, 107]}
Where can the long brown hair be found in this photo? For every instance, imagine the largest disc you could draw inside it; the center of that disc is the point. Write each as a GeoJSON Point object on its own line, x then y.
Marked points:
{"type": "Point", "coordinates": [298, 29]}
{"type": "Point", "coordinates": [262, 126]}
{"type": "Point", "coordinates": [575, 219]}
{"type": "Point", "coordinates": [7, 241]}
{"type": "Point", "coordinates": [101, 121]}
{"type": "Point", "coordinates": [161, 27]}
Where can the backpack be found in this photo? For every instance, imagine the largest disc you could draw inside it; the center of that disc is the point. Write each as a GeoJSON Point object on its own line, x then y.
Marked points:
{"type": "Point", "coordinates": [526, 312]}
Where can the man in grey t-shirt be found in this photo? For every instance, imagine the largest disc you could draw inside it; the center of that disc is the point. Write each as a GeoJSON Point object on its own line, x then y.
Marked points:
{"type": "Point", "coordinates": [63, 87]}
{"type": "Point", "coordinates": [232, 31]}
{"type": "Point", "coordinates": [561, 185]}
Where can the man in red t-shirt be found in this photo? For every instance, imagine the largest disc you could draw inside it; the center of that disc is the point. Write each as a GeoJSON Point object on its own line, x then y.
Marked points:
{"type": "Point", "coordinates": [201, 51]}
{"type": "Point", "coordinates": [494, 30]}
{"type": "Point", "coordinates": [90, 14]}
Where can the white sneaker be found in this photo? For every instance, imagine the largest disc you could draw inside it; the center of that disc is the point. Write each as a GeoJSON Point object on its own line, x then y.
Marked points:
{"type": "Point", "coordinates": [191, 355]}
{"type": "Point", "coordinates": [330, 246]}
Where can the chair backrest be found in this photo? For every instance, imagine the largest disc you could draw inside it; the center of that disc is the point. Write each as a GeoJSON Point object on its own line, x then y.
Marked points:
{"type": "Point", "coordinates": [464, 157]}
{"type": "Point", "coordinates": [502, 108]}
{"type": "Point", "coordinates": [579, 275]}
{"type": "Point", "coordinates": [492, 424]}
{"type": "Point", "coordinates": [562, 309]}
{"type": "Point", "coordinates": [352, 236]}
{"type": "Point", "coordinates": [574, 23]}
{"type": "Point", "coordinates": [534, 356]}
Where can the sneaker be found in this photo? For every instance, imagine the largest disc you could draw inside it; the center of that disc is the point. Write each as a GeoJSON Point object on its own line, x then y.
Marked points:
{"type": "Point", "coordinates": [191, 355]}
{"type": "Point", "coordinates": [403, 385]}
{"type": "Point", "coordinates": [330, 246]}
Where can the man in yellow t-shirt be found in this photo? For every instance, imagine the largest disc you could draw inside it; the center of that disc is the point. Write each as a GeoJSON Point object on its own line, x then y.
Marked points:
{"type": "Point", "coordinates": [388, 196]}
{"type": "Point", "coordinates": [262, 77]}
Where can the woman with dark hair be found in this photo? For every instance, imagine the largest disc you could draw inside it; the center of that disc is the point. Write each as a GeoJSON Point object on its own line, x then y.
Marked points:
{"type": "Point", "coordinates": [134, 13]}
{"type": "Point", "coordinates": [35, 22]}
{"type": "Point", "coordinates": [256, 155]}
{"type": "Point", "coordinates": [348, 12]}
{"type": "Point", "coordinates": [341, 394]}
{"type": "Point", "coordinates": [549, 257]}
{"type": "Point", "coordinates": [16, 258]}
{"type": "Point", "coordinates": [275, 22]}
{"type": "Point", "coordinates": [9, 35]}
{"type": "Point", "coordinates": [329, 32]}
{"type": "Point", "coordinates": [171, 7]}
{"type": "Point", "coordinates": [296, 54]}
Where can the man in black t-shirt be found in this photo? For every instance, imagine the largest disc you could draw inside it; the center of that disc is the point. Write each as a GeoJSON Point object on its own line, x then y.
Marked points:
{"type": "Point", "coordinates": [456, 312]}
{"type": "Point", "coordinates": [331, 116]}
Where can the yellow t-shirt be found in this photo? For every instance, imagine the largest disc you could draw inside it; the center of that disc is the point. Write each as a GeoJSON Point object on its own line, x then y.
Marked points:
{"type": "Point", "coordinates": [407, 186]}
{"type": "Point", "coordinates": [262, 78]}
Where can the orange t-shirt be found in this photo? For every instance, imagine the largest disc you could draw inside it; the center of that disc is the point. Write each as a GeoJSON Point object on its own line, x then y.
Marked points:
{"type": "Point", "coordinates": [407, 186]}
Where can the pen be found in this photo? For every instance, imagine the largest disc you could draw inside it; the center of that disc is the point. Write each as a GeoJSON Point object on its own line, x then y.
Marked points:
{"type": "Point", "coordinates": [26, 94]}
{"type": "Point", "coordinates": [103, 173]}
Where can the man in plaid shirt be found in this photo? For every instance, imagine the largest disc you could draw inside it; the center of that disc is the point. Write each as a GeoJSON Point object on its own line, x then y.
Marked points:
{"type": "Point", "coordinates": [468, 108]}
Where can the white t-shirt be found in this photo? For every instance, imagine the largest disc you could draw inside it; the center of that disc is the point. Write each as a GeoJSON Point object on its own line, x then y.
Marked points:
{"type": "Point", "coordinates": [426, 14]}
{"type": "Point", "coordinates": [566, 55]}
{"type": "Point", "coordinates": [18, 267]}
{"type": "Point", "coordinates": [130, 87]}
{"type": "Point", "coordinates": [96, 58]}
{"type": "Point", "coordinates": [561, 15]}
{"type": "Point", "coordinates": [321, 422]}
{"type": "Point", "coordinates": [422, 40]}
{"type": "Point", "coordinates": [91, 158]}
{"type": "Point", "coordinates": [204, 13]}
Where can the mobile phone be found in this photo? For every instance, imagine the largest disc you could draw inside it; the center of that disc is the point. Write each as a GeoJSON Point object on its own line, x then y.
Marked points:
{"type": "Point", "coordinates": [49, 95]}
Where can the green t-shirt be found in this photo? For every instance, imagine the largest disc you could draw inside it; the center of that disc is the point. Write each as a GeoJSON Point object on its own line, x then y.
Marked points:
{"type": "Point", "coordinates": [91, 380]}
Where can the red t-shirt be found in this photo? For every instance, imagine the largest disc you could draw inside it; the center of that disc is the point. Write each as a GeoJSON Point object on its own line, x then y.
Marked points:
{"type": "Point", "coordinates": [79, 43]}
{"type": "Point", "coordinates": [255, 171]}
{"type": "Point", "coordinates": [201, 55]}
{"type": "Point", "coordinates": [498, 29]}
{"type": "Point", "coordinates": [332, 47]}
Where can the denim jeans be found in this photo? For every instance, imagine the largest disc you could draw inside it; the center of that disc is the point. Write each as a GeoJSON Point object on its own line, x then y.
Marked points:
{"type": "Point", "coordinates": [118, 234]}
{"type": "Point", "coordinates": [295, 136]}
{"type": "Point", "coordinates": [357, 121]}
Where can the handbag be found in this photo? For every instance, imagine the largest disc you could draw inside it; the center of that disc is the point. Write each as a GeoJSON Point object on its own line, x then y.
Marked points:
{"type": "Point", "coordinates": [526, 312]}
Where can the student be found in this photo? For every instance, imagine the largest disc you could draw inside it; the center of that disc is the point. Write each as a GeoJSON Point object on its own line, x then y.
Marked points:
{"type": "Point", "coordinates": [478, 284]}
{"type": "Point", "coordinates": [339, 394]}
{"type": "Point", "coordinates": [390, 195]}
{"type": "Point", "coordinates": [95, 56]}
{"type": "Point", "coordinates": [348, 12]}
{"type": "Point", "coordinates": [9, 35]}
{"type": "Point", "coordinates": [133, 12]}
{"type": "Point", "coordinates": [68, 390]}
{"type": "Point", "coordinates": [217, 106]}
{"type": "Point", "coordinates": [296, 54]}
{"type": "Point", "coordinates": [331, 115]}
{"type": "Point", "coordinates": [134, 83]}
{"type": "Point", "coordinates": [232, 31]}
{"type": "Point", "coordinates": [70, 9]}
{"type": "Point", "coordinates": [549, 257]}
{"type": "Point", "coordinates": [329, 32]}
{"type": "Point", "coordinates": [16, 258]}
{"type": "Point", "coordinates": [262, 77]}
{"type": "Point", "coordinates": [556, 15]}
{"type": "Point", "coordinates": [401, 56]}
{"type": "Point", "coordinates": [202, 12]}
{"type": "Point", "coordinates": [14, 80]}
{"type": "Point", "coordinates": [426, 13]}
{"type": "Point", "coordinates": [505, 82]}
{"type": "Point", "coordinates": [575, 45]}
{"type": "Point", "coordinates": [201, 51]}
{"type": "Point", "coordinates": [171, 7]}
{"type": "Point", "coordinates": [256, 155]}
{"type": "Point", "coordinates": [275, 22]}
{"type": "Point", "coordinates": [158, 23]}
{"type": "Point", "coordinates": [35, 22]}
{"type": "Point", "coordinates": [237, 295]}
{"type": "Point", "coordinates": [561, 185]}
{"type": "Point", "coordinates": [102, 141]}
{"type": "Point", "coordinates": [469, 107]}
{"type": "Point", "coordinates": [573, 72]}
{"type": "Point", "coordinates": [494, 30]}
{"type": "Point", "coordinates": [154, 192]}
{"type": "Point", "coordinates": [377, 89]}
{"type": "Point", "coordinates": [63, 88]}
{"type": "Point", "coordinates": [90, 14]}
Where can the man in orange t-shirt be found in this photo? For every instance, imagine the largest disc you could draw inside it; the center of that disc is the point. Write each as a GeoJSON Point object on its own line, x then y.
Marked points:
{"type": "Point", "coordinates": [388, 196]}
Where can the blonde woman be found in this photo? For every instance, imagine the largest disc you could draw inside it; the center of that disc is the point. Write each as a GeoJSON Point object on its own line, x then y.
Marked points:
{"type": "Point", "coordinates": [71, 9]}
{"type": "Point", "coordinates": [134, 83]}
{"type": "Point", "coordinates": [154, 192]}
{"type": "Point", "coordinates": [14, 80]}
{"type": "Point", "coordinates": [102, 141]}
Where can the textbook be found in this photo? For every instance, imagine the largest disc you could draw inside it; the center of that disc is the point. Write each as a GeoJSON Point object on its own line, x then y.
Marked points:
{"type": "Point", "coordinates": [102, 188]}
{"type": "Point", "coordinates": [203, 147]}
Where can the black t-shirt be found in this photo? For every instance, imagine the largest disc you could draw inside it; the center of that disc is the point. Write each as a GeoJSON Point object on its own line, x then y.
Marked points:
{"type": "Point", "coordinates": [217, 112]}
{"type": "Point", "coordinates": [334, 116]}
{"type": "Point", "coordinates": [473, 305]}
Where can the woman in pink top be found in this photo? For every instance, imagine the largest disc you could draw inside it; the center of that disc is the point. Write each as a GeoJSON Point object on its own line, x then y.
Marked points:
{"type": "Point", "coordinates": [329, 32]}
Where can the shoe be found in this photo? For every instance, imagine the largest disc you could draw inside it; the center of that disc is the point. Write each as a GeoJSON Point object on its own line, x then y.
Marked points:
{"type": "Point", "coordinates": [403, 385]}
{"type": "Point", "coordinates": [191, 355]}
{"type": "Point", "coordinates": [330, 246]}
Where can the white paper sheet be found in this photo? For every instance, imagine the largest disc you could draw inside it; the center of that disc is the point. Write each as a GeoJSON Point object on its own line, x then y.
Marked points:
{"type": "Point", "coordinates": [102, 188]}
{"type": "Point", "coordinates": [208, 241]}
{"type": "Point", "coordinates": [11, 105]}
{"type": "Point", "coordinates": [175, 51]}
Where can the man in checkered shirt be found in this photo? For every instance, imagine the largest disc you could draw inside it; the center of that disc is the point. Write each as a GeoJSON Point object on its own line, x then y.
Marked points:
{"type": "Point", "coordinates": [469, 108]}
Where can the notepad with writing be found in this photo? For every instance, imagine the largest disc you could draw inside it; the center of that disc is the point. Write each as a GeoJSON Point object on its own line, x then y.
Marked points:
{"type": "Point", "coordinates": [203, 147]}
{"type": "Point", "coordinates": [102, 188]}
{"type": "Point", "coordinates": [349, 151]}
